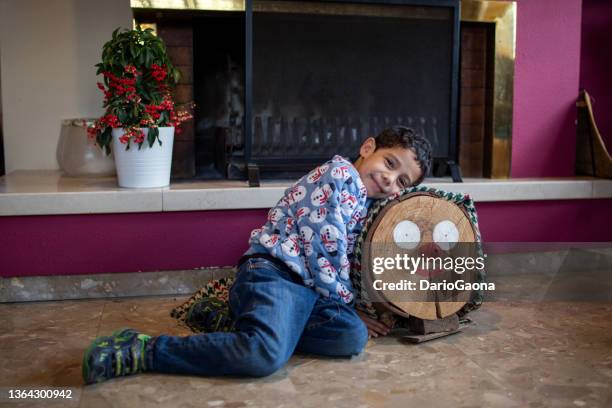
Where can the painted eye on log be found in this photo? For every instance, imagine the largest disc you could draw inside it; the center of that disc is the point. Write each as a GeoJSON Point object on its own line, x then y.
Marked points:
{"type": "Point", "coordinates": [446, 234]}
{"type": "Point", "coordinates": [407, 234]}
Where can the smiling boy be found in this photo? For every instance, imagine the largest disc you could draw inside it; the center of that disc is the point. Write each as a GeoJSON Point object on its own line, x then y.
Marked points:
{"type": "Point", "coordinates": [292, 290]}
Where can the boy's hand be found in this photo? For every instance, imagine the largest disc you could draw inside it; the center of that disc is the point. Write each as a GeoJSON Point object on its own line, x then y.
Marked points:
{"type": "Point", "coordinates": [375, 328]}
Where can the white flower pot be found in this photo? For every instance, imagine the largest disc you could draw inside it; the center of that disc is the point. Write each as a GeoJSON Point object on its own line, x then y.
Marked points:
{"type": "Point", "coordinates": [147, 167]}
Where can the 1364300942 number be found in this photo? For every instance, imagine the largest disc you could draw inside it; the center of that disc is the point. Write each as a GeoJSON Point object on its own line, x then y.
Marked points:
{"type": "Point", "coordinates": [42, 393]}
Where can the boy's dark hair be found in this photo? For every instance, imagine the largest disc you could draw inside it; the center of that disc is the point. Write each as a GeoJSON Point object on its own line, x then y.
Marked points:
{"type": "Point", "coordinates": [408, 138]}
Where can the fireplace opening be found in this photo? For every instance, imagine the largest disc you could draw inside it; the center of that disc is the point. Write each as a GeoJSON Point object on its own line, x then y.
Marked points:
{"type": "Point", "coordinates": [325, 78]}
{"type": "Point", "coordinates": [283, 85]}
{"type": "Point", "coordinates": [327, 75]}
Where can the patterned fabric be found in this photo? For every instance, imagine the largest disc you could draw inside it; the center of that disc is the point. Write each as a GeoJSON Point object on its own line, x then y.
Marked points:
{"type": "Point", "coordinates": [208, 309]}
{"type": "Point", "coordinates": [314, 226]}
{"type": "Point", "coordinates": [363, 301]}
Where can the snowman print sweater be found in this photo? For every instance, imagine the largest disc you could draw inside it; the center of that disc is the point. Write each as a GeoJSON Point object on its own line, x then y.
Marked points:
{"type": "Point", "coordinates": [314, 226]}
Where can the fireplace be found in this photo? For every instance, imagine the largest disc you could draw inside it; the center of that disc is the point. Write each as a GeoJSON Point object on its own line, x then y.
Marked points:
{"type": "Point", "coordinates": [324, 76]}
{"type": "Point", "coordinates": [280, 86]}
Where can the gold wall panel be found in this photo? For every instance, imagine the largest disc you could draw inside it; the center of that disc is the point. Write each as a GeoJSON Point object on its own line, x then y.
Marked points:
{"type": "Point", "coordinates": [503, 15]}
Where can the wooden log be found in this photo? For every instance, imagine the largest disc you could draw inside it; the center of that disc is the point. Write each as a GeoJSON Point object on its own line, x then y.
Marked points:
{"type": "Point", "coordinates": [445, 324]}
{"type": "Point", "coordinates": [425, 212]}
{"type": "Point", "coordinates": [421, 338]}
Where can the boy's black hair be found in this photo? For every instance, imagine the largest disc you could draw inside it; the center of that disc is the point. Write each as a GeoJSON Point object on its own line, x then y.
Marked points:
{"type": "Point", "coordinates": [408, 138]}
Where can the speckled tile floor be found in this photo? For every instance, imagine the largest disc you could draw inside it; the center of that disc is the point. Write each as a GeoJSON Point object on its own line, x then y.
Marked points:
{"type": "Point", "coordinates": [515, 354]}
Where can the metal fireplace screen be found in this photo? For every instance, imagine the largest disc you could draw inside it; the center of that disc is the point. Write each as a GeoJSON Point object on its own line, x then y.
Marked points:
{"type": "Point", "coordinates": [321, 77]}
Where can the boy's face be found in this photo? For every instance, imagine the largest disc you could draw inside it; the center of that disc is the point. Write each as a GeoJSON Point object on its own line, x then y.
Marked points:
{"type": "Point", "coordinates": [387, 170]}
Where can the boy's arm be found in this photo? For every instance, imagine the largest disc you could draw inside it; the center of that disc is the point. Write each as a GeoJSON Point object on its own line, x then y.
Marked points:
{"type": "Point", "coordinates": [325, 220]}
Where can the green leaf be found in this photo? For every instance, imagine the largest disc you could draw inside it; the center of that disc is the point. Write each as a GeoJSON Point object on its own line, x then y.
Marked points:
{"type": "Point", "coordinates": [103, 140]}
{"type": "Point", "coordinates": [163, 118]}
{"type": "Point", "coordinates": [144, 94]}
{"type": "Point", "coordinates": [153, 134]}
{"type": "Point", "coordinates": [108, 137]}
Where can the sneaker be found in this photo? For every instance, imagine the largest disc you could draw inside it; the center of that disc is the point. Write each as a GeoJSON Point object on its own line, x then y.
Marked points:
{"type": "Point", "coordinates": [122, 353]}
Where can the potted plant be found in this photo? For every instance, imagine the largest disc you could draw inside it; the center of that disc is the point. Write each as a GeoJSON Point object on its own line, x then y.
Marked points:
{"type": "Point", "coordinates": [141, 117]}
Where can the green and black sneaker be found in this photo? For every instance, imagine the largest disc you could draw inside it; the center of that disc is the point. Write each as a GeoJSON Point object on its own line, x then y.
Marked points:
{"type": "Point", "coordinates": [122, 353]}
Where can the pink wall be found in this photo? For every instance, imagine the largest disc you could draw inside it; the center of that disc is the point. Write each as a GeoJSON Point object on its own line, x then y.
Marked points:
{"type": "Point", "coordinates": [596, 62]}
{"type": "Point", "coordinates": [106, 243]}
{"type": "Point", "coordinates": [546, 80]}
{"type": "Point", "coordinates": [546, 221]}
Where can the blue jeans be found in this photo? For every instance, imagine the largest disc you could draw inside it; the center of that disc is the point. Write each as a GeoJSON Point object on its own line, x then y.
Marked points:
{"type": "Point", "coordinates": [276, 315]}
